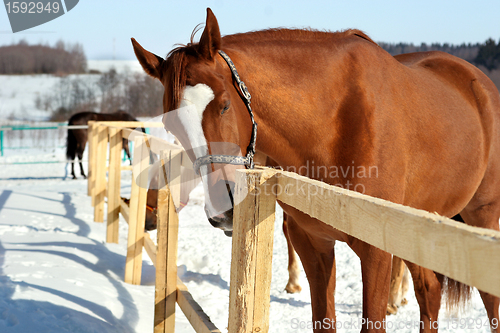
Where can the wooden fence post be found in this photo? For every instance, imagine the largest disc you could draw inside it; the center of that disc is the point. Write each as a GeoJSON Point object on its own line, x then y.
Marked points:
{"type": "Point", "coordinates": [251, 268]}
{"type": "Point", "coordinates": [138, 196]}
{"type": "Point", "coordinates": [166, 254]}
{"type": "Point", "coordinates": [114, 175]}
{"type": "Point", "coordinates": [99, 176]}
{"type": "Point", "coordinates": [91, 167]}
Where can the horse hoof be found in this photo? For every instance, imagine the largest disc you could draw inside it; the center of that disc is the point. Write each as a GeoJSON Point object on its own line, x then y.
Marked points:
{"type": "Point", "coordinates": [404, 301]}
{"type": "Point", "coordinates": [391, 309]}
{"type": "Point", "coordinates": [74, 177]}
{"type": "Point", "coordinates": [293, 288]}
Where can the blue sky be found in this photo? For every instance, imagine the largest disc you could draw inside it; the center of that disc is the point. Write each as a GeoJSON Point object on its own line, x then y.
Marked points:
{"type": "Point", "coordinates": [158, 25]}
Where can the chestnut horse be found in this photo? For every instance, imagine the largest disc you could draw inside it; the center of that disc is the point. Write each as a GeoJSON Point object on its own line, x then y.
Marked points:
{"type": "Point", "coordinates": [428, 122]}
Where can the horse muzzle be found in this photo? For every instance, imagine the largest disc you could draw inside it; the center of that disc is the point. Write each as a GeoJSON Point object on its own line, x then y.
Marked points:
{"type": "Point", "coordinates": [222, 221]}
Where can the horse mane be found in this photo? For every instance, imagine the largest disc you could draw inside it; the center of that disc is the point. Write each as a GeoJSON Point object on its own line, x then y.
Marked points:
{"type": "Point", "coordinates": [283, 34]}
{"type": "Point", "coordinates": [175, 75]}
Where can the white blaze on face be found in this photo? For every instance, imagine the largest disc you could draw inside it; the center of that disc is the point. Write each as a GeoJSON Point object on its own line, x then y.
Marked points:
{"type": "Point", "coordinates": [186, 124]}
{"type": "Point", "coordinates": [191, 118]}
{"type": "Point", "coordinates": [199, 96]}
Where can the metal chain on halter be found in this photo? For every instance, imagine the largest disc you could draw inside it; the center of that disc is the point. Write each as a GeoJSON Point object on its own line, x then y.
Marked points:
{"type": "Point", "coordinates": [246, 98]}
{"type": "Point", "coordinates": [224, 159]}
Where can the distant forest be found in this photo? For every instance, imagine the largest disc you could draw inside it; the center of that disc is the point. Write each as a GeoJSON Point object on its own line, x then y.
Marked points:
{"type": "Point", "coordinates": [61, 59]}
{"type": "Point", "coordinates": [467, 52]}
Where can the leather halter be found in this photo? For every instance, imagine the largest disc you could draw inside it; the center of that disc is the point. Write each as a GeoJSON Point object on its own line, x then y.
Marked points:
{"type": "Point", "coordinates": [151, 209]}
{"type": "Point", "coordinates": [228, 159]}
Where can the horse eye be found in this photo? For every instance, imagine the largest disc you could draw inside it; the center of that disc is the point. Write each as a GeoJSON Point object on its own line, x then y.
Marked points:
{"type": "Point", "coordinates": [228, 104]}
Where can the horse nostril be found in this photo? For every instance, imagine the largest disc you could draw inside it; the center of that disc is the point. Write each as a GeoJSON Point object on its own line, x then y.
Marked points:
{"type": "Point", "coordinates": [214, 223]}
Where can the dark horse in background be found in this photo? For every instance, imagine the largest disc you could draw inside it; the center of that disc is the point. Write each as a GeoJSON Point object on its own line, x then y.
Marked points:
{"type": "Point", "coordinates": [77, 138]}
{"type": "Point", "coordinates": [429, 122]}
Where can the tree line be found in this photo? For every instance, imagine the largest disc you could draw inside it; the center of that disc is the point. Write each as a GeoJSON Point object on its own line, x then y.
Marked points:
{"type": "Point", "coordinates": [489, 55]}
{"type": "Point", "coordinates": [62, 58]}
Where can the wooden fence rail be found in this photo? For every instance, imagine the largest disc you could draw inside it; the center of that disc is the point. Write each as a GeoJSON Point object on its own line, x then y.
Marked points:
{"type": "Point", "coordinates": [462, 252]}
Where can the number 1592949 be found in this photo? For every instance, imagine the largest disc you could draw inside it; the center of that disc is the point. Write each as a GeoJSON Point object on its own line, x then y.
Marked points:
{"type": "Point", "coordinates": [16, 7]}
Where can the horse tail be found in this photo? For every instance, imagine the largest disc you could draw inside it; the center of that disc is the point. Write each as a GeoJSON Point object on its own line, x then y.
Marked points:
{"type": "Point", "coordinates": [71, 144]}
{"type": "Point", "coordinates": [456, 294]}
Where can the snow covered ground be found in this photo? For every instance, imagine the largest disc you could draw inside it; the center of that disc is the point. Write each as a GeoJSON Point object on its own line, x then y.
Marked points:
{"type": "Point", "coordinates": [57, 274]}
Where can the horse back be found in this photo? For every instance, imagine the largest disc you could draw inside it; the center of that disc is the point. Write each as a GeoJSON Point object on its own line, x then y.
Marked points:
{"type": "Point", "coordinates": [82, 118]}
{"type": "Point", "coordinates": [424, 119]}
{"type": "Point", "coordinates": [122, 115]}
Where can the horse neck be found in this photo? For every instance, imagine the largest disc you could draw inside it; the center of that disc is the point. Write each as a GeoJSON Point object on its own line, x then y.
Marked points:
{"type": "Point", "coordinates": [282, 102]}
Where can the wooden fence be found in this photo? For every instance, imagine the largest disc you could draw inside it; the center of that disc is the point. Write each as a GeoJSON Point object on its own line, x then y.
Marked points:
{"type": "Point", "coordinates": [169, 289]}
{"type": "Point", "coordinates": [464, 253]}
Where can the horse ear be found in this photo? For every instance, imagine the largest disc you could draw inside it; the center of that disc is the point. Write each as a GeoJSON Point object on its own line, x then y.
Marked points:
{"type": "Point", "coordinates": [150, 62]}
{"type": "Point", "coordinates": [210, 40]}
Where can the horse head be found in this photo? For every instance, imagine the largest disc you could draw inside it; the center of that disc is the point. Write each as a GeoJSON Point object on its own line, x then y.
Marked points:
{"type": "Point", "coordinates": [205, 111]}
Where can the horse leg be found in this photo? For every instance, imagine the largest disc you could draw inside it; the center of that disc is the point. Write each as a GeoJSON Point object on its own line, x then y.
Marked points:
{"type": "Point", "coordinates": [318, 260]}
{"type": "Point", "coordinates": [376, 274]}
{"type": "Point", "coordinates": [293, 267]}
{"type": "Point", "coordinates": [127, 150]}
{"type": "Point", "coordinates": [405, 285]}
{"type": "Point", "coordinates": [491, 304]}
{"type": "Point", "coordinates": [427, 285]}
{"type": "Point", "coordinates": [80, 157]}
{"type": "Point", "coordinates": [486, 216]}
{"type": "Point", "coordinates": [73, 169]}
{"type": "Point", "coordinates": [396, 290]}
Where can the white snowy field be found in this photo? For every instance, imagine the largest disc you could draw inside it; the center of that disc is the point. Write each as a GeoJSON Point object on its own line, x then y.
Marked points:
{"type": "Point", "coordinates": [57, 274]}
